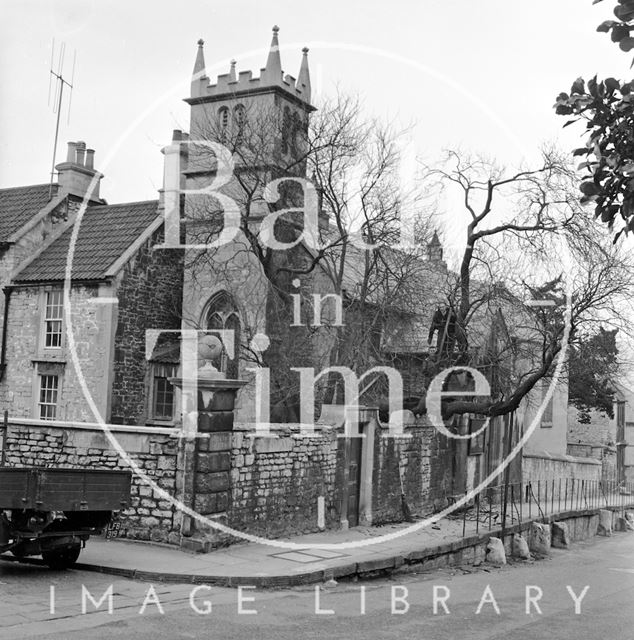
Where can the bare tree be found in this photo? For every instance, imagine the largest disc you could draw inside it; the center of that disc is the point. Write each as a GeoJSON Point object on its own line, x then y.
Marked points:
{"type": "Point", "coordinates": [354, 165]}
{"type": "Point", "coordinates": [519, 228]}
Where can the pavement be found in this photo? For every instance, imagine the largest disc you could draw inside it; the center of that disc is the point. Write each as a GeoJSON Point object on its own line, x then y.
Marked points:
{"type": "Point", "coordinates": [261, 565]}
{"type": "Point", "coordinates": [365, 551]}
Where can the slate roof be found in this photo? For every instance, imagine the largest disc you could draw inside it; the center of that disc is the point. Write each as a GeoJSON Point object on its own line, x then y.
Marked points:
{"type": "Point", "coordinates": [19, 204]}
{"type": "Point", "coordinates": [106, 231]}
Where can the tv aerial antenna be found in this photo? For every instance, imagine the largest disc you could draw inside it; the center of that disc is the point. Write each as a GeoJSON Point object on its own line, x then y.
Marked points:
{"type": "Point", "coordinates": [57, 78]}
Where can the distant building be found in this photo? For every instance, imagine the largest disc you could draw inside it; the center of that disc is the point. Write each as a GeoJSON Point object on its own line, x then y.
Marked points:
{"type": "Point", "coordinates": [609, 440]}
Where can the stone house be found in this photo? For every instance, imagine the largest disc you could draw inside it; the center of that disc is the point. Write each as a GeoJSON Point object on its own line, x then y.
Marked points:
{"type": "Point", "coordinates": [114, 296]}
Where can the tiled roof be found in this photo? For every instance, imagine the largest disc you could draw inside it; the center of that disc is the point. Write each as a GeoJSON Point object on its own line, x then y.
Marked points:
{"type": "Point", "coordinates": [18, 205]}
{"type": "Point", "coordinates": [106, 231]}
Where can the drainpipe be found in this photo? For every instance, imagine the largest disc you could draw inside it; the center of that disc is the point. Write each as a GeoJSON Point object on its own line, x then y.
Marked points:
{"type": "Point", "coordinates": [3, 354]}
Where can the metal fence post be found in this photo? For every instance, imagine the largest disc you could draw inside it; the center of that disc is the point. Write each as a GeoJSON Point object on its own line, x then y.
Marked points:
{"type": "Point", "coordinates": [5, 435]}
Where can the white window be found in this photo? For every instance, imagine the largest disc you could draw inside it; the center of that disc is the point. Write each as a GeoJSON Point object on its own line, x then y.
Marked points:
{"type": "Point", "coordinates": [48, 397]}
{"type": "Point", "coordinates": [53, 319]}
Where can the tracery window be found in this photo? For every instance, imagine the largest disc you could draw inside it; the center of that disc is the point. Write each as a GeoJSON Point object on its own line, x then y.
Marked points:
{"type": "Point", "coordinates": [222, 315]}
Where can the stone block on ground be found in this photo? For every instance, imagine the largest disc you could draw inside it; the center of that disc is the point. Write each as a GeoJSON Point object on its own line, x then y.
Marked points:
{"type": "Point", "coordinates": [605, 523]}
{"type": "Point", "coordinates": [520, 548]}
{"type": "Point", "coordinates": [622, 524]}
{"type": "Point", "coordinates": [560, 535]}
{"type": "Point", "coordinates": [495, 552]}
{"type": "Point", "coordinates": [539, 538]}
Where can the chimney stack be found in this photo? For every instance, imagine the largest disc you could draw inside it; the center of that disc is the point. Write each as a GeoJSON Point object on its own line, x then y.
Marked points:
{"type": "Point", "coordinates": [77, 175]}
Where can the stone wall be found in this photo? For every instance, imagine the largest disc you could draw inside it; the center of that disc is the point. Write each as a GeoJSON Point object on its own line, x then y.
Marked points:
{"type": "Point", "coordinates": [423, 464]}
{"type": "Point", "coordinates": [545, 467]}
{"type": "Point", "coordinates": [150, 291]}
{"type": "Point", "coordinates": [81, 446]}
{"type": "Point", "coordinates": [277, 481]}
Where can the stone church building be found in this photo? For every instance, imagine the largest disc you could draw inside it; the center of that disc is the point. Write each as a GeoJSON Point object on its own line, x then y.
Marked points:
{"type": "Point", "coordinates": [142, 272]}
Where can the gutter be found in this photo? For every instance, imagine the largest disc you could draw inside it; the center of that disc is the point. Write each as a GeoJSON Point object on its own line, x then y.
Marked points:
{"type": "Point", "coordinates": [3, 353]}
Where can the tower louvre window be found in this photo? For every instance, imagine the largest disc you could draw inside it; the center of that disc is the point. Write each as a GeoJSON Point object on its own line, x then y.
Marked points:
{"type": "Point", "coordinates": [223, 116]}
{"type": "Point", "coordinates": [239, 115]}
{"type": "Point", "coordinates": [286, 126]}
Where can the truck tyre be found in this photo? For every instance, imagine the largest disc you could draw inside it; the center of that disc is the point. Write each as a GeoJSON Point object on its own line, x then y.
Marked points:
{"type": "Point", "coordinates": [62, 558]}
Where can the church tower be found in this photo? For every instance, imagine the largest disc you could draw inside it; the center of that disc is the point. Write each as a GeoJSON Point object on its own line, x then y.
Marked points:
{"type": "Point", "coordinates": [238, 108]}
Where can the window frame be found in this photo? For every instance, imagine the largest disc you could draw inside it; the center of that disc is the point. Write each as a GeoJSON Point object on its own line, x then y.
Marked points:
{"type": "Point", "coordinates": [58, 305]}
{"type": "Point", "coordinates": [56, 390]}
{"type": "Point", "coordinates": [161, 371]}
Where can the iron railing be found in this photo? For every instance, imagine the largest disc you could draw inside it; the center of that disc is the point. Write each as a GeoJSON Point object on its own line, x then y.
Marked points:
{"type": "Point", "coordinates": [505, 505]}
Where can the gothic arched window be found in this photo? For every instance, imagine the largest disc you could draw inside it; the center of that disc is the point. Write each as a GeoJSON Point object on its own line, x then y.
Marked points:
{"type": "Point", "coordinates": [222, 315]}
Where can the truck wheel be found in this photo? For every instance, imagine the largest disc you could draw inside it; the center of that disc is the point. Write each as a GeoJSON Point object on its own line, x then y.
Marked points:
{"type": "Point", "coordinates": [62, 558]}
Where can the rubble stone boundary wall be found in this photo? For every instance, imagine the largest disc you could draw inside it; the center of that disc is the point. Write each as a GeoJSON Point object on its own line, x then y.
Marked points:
{"type": "Point", "coordinates": [285, 485]}
{"type": "Point", "coordinates": [543, 466]}
{"type": "Point", "coordinates": [84, 445]}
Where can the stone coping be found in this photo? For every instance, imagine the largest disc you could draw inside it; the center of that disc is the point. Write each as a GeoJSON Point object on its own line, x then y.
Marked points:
{"type": "Point", "coordinates": [282, 428]}
{"type": "Point", "coordinates": [561, 457]}
{"type": "Point", "coordinates": [92, 426]}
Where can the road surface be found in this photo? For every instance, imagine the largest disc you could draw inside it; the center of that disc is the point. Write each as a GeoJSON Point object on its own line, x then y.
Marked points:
{"type": "Point", "coordinates": [470, 604]}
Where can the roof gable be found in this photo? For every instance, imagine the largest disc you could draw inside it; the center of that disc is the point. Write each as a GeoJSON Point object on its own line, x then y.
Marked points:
{"type": "Point", "coordinates": [18, 205]}
{"type": "Point", "coordinates": [105, 233]}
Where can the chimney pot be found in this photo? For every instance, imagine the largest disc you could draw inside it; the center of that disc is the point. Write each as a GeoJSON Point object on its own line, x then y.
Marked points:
{"type": "Point", "coordinates": [81, 152]}
{"type": "Point", "coordinates": [72, 153]}
{"type": "Point", "coordinates": [90, 159]}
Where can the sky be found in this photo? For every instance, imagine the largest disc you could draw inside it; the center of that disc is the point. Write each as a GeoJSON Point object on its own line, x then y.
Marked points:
{"type": "Point", "coordinates": [481, 76]}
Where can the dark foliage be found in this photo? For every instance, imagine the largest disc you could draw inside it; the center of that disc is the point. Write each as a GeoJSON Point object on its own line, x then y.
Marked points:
{"type": "Point", "coordinates": [593, 366]}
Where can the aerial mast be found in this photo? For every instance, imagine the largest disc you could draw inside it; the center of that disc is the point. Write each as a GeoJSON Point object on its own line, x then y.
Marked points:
{"type": "Point", "coordinates": [60, 82]}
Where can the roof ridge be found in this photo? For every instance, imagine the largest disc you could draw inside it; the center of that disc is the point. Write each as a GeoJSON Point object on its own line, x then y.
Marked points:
{"type": "Point", "coordinates": [29, 186]}
{"type": "Point", "coordinates": [125, 204]}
